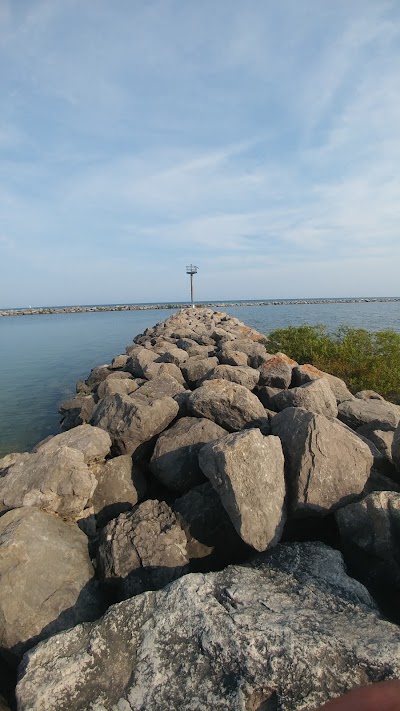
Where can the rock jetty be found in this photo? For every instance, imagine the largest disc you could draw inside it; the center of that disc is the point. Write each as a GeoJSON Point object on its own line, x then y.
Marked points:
{"type": "Point", "coordinates": [217, 527]}
{"type": "Point", "coordinates": [43, 310]}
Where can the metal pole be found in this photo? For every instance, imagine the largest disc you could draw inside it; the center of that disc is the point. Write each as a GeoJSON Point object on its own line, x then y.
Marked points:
{"type": "Point", "coordinates": [191, 270]}
{"type": "Point", "coordinates": [191, 290]}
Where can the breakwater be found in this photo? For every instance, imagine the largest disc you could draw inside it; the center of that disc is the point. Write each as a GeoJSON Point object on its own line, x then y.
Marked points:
{"type": "Point", "coordinates": [37, 311]}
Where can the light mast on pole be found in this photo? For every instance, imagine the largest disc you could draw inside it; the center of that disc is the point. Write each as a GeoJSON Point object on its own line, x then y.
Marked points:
{"type": "Point", "coordinates": [191, 270]}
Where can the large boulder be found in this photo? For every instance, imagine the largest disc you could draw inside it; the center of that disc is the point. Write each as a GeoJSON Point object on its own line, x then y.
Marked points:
{"type": "Point", "coordinates": [162, 385]}
{"type": "Point", "coordinates": [175, 460]}
{"type": "Point", "coordinates": [248, 377]}
{"type": "Point", "coordinates": [382, 439]}
{"type": "Point", "coordinates": [356, 413]}
{"type": "Point", "coordinates": [76, 411]}
{"type": "Point", "coordinates": [124, 386]}
{"type": "Point", "coordinates": [315, 396]}
{"type": "Point", "coordinates": [327, 465]}
{"type": "Point", "coordinates": [370, 532]}
{"type": "Point", "coordinates": [56, 480]}
{"type": "Point", "coordinates": [138, 359]}
{"type": "Point", "coordinates": [46, 579]}
{"type": "Point", "coordinates": [307, 373]}
{"type": "Point", "coordinates": [247, 471]}
{"type": "Point", "coordinates": [276, 371]}
{"type": "Point", "coordinates": [154, 370]}
{"type": "Point", "coordinates": [130, 422]}
{"type": "Point", "coordinates": [120, 485]}
{"type": "Point", "coordinates": [290, 631]}
{"type": "Point", "coordinates": [230, 405]}
{"type": "Point", "coordinates": [196, 368]}
{"type": "Point", "coordinates": [143, 549]}
{"type": "Point", "coordinates": [396, 449]}
{"type": "Point", "coordinates": [93, 442]}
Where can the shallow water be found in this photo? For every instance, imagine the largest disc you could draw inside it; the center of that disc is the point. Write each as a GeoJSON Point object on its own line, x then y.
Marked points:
{"type": "Point", "coordinates": [42, 357]}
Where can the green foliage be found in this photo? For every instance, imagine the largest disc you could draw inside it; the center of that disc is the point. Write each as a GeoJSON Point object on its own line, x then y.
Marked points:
{"type": "Point", "coordinates": [366, 361]}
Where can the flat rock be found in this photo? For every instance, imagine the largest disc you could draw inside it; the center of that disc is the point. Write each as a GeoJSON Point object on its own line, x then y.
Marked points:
{"type": "Point", "coordinates": [143, 549]}
{"type": "Point", "coordinates": [307, 373]}
{"type": "Point", "coordinates": [46, 579]}
{"type": "Point", "coordinates": [56, 480]}
{"type": "Point", "coordinates": [355, 413]}
{"type": "Point", "coordinates": [290, 631]}
{"type": "Point", "coordinates": [230, 405]}
{"type": "Point", "coordinates": [175, 461]}
{"type": "Point", "coordinates": [247, 471]}
{"type": "Point", "coordinates": [93, 442]}
{"type": "Point", "coordinates": [131, 422]}
{"type": "Point", "coordinates": [327, 465]}
{"type": "Point", "coordinates": [120, 485]}
{"type": "Point", "coordinates": [315, 396]}
{"type": "Point", "coordinates": [243, 375]}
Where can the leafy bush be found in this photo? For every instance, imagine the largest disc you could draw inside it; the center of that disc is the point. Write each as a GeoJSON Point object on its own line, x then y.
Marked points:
{"type": "Point", "coordinates": [365, 360]}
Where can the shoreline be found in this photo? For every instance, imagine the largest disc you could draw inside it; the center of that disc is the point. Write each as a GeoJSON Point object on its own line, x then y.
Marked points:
{"type": "Point", "coordinates": [209, 304]}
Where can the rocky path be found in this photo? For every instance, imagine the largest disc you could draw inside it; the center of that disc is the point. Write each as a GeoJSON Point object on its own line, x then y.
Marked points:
{"type": "Point", "coordinates": [234, 514]}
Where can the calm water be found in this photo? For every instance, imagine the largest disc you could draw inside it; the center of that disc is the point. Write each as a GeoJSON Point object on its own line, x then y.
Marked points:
{"type": "Point", "coordinates": [42, 357]}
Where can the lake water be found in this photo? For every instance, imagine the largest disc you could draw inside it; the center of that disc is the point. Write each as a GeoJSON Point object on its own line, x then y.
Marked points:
{"type": "Point", "coordinates": [42, 357]}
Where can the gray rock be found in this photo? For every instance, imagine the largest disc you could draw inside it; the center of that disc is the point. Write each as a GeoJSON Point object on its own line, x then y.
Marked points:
{"type": "Point", "coordinates": [76, 411]}
{"type": "Point", "coordinates": [177, 356]}
{"type": "Point", "coordinates": [369, 395]}
{"type": "Point", "coordinates": [175, 461]}
{"type": "Point", "coordinates": [154, 370]}
{"type": "Point", "coordinates": [212, 541]}
{"type": "Point", "coordinates": [382, 439]}
{"type": "Point", "coordinates": [247, 471]}
{"type": "Point", "coordinates": [290, 632]}
{"type": "Point", "coordinates": [97, 375]}
{"type": "Point", "coordinates": [327, 465]}
{"type": "Point", "coordinates": [196, 368]}
{"type": "Point", "coordinates": [159, 387]}
{"type": "Point", "coordinates": [46, 579]}
{"type": "Point", "coordinates": [13, 458]}
{"type": "Point", "coordinates": [131, 422]}
{"type": "Point", "coordinates": [266, 395]}
{"type": "Point", "coordinates": [370, 532]}
{"type": "Point", "coordinates": [262, 424]}
{"type": "Point", "coordinates": [120, 485]}
{"type": "Point", "coordinates": [255, 352]}
{"type": "Point", "coordinates": [193, 348]}
{"type": "Point", "coordinates": [94, 443]}
{"type": "Point", "coordinates": [143, 549]}
{"type": "Point", "coordinates": [303, 374]}
{"type": "Point", "coordinates": [396, 449]}
{"type": "Point", "coordinates": [277, 371]}
{"type": "Point", "coordinates": [138, 359]}
{"type": "Point", "coordinates": [119, 361]}
{"type": "Point", "coordinates": [124, 386]}
{"type": "Point", "coordinates": [355, 413]}
{"type": "Point", "coordinates": [243, 375]}
{"type": "Point", "coordinates": [56, 480]}
{"type": "Point", "coordinates": [228, 404]}
{"type": "Point", "coordinates": [315, 396]}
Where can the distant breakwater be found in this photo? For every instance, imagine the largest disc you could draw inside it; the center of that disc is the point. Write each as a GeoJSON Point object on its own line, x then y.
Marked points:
{"type": "Point", "coordinates": [210, 304]}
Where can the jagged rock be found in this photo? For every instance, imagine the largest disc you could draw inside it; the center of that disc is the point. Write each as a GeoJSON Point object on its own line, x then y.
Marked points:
{"type": "Point", "coordinates": [255, 352]}
{"type": "Point", "coordinates": [243, 375]}
{"type": "Point", "coordinates": [212, 541]}
{"type": "Point", "coordinates": [94, 443]}
{"type": "Point", "coordinates": [131, 422]}
{"type": "Point", "coordinates": [262, 424]}
{"type": "Point", "coordinates": [369, 395]}
{"type": "Point", "coordinates": [143, 549]}
{"type": "Point", "coordinates": [228, 404]}
{"type": "Point", "coordinates": [138, 359]}
{"type": "Point", "coordinates": [370, 532]}
{"type": "Point", "coordinates": [154, 370]}
{"type": "Point", "coordinates": [120, 485]}
{"type": "Point", "coordinates": [382, 439]}
{"type": "Point", "coordinates": [290, 631]}
{"type": "Point", "coordinates": [229, 356]}
{"type": "Point", "coordinates": [124, 386]}
{"type": "Point", "coordinates": [315, 396]}
{"type": "Point", "coordinates": [175, 461]}
{"type": "Point", "coordinates": [303, 374]}
{"type": "Point", "coordinates": [196, 368]}
{"type": "Point", "coordinates": [97, 375]}
{"type": "Point", "coordinates": [193, 348]}
{"type": "Point", "coordinates": [247, 471]}
{"type": "Point", "coordinates": [161, 386]}
{"type": "Point", "coordinates": [46, 579]}
{"type": "Point", "coordinates": [119, 361]}
{"type": "Point", "coordinates": [327, 465]}
{"type": "Point", "coordinates": [177, 356]}
{"type": "Point", "coordinates": [396, 448]}
{"type": "Point", "coordinates": [76, 411]}
{"type": "Point", "coordinates": [277, 371]}
{"type": "Point", "coordinates": [361, 412]}
{"type": "Point", "coordinates": [55, 480]}
{"type": "Point", "coordinates": [266, 395]}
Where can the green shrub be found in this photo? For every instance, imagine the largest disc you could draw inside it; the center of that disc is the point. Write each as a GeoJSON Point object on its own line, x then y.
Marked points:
{"type": "Point", "coordinates": [365, 360]}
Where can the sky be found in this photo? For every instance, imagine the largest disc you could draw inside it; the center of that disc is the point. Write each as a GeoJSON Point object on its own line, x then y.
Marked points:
{"type": "Point", "coordinates": [256, 139]}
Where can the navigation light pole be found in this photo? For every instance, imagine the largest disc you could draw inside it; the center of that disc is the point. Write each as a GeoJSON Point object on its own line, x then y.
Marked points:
{"type": "Point", "coordinates": [191, 269]}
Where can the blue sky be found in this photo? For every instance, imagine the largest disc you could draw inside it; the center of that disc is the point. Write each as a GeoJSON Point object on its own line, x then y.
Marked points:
{"type": "Point", "coordinates": [258, 139]}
